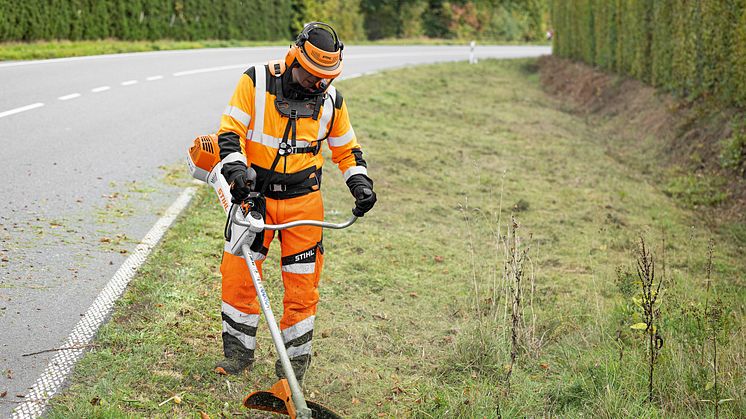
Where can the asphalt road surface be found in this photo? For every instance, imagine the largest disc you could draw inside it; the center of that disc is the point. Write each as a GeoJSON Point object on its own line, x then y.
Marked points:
{"type": "Point", "coordinates": [87, 148]}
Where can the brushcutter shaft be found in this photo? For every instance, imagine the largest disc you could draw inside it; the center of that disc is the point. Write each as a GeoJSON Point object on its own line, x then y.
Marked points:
{"type": "Point", "coordinates": [301, 408]}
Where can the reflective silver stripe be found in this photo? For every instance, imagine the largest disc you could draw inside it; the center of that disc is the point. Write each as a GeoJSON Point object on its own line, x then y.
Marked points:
{"type": "Point", "coordinates": [299, 329]}
{"type": "Point", "coordinates": [235, 156]}
{"type": "Point", "coordinates": [355, 170]}
{"type": "Point", "coordinates": [295, 351]}
{"type": "Point", "coordinates": [342, 140]}
{"type": "Point", "coordinates": [300, 268]}
{"type": "Point", "coordinates": [249, 342]}
{"type": "Point", "coordinates": [239, 316]}
{"type": "Point", "coordinates": [326, 114]}
{"type": "Point", "coordinates": [238, 114]}
{"type": "Point", "coordinates": [274, 142]}
{"type": "Point", "coordinates": [259, 99]}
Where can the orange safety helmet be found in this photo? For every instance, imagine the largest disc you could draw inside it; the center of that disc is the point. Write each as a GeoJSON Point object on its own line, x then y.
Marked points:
{"type": "Point", "coordinates": [320, 63]}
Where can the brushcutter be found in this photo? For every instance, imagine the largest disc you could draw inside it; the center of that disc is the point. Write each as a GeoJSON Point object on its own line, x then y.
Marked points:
{"type": "Point", "coordinates": [285, 396]}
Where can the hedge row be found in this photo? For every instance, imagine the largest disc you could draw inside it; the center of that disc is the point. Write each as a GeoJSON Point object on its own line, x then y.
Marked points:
{"type": "Point", "coordinates": [31, 20]}
{"type": "Point", "coordinates": [691, 47]}
{"type": "Point", "coordinates": [508, 20]}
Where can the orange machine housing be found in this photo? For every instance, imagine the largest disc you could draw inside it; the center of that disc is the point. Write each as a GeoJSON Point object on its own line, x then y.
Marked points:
{"type": "Point", "coordinates": [205, 152]}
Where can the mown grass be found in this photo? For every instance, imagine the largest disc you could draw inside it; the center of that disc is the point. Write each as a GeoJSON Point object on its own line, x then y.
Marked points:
{"type": "Point", "coordinates": [414, 319]}
{"type": "Point", "coordinates": [11, 51]}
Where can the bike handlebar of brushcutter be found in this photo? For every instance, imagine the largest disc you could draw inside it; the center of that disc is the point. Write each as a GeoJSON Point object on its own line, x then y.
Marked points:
{"type": "Point", "coordinates": [257, 224]}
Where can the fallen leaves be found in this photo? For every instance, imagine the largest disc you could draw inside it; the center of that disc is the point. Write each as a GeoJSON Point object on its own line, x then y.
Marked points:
{"type": "Point", "coordinates": [9, 374]}
{"type": "Point", "coordinates": [439, 259]}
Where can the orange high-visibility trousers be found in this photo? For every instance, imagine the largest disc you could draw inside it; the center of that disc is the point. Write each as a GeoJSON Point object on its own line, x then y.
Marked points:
{"type": "Point", "coordinates": [302, 258]}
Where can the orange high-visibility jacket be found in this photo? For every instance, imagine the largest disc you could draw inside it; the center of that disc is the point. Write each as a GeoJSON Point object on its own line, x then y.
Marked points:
{"type": "Point", "coordinates": [241, 138]}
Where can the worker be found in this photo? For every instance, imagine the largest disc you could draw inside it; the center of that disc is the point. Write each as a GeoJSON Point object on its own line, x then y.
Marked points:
{"type": "Point", "coordinates": [270, 136]}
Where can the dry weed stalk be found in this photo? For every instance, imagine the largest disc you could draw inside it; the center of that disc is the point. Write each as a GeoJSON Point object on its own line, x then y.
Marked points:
{"type": "Point", "coordinates": [514, 275]}
{"type": "Point", "coordinates": [716, 320]}
{"type": "Point", "coordinates": [708, 277]}
{"type": "Point", "coordinates": [650, 293]}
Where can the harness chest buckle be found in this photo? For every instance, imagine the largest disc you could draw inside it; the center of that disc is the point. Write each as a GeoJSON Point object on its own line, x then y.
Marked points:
{"type": "Point", "coordinates": [274, 187]}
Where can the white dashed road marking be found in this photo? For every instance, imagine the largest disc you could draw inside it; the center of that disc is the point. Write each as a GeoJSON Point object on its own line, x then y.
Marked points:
{"type": "Point", "coordinates": [100, 89]}
{"type": "Point", "coordinates": [21, 109]}
{"type": "Point", "coordinates": [128, 82]}
{"type": "Point", "coordinates": [70, 96]}
{"type": "Point", "coordinates": [54, 376]}
{"type": "Point", "coordinates": [151, 78]}
{"type": "Point", "coordinates": [211, 69]}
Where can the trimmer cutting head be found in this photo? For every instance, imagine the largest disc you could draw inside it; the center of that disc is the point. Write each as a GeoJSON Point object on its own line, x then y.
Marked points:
{"type": "Point", "coordinates": [279, 400]}
{"type": "Point", "coordinates": [203, 156]}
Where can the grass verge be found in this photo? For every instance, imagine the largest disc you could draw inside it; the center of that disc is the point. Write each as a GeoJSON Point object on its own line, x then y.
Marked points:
{"type": "Point", "coordinates": [418, 315]}
{"type": "Point", "coordinates": [60, 49]}
{"type": "Point", "coordinates": [11, 51]}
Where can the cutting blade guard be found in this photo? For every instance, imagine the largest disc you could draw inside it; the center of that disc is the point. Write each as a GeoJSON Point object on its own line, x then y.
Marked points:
{"type": "Point", "coordinates": [279, 400]}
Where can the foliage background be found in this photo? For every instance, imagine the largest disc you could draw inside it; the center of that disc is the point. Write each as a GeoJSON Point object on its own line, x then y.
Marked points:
{"type": "Point", "coordinates": [497, 20]}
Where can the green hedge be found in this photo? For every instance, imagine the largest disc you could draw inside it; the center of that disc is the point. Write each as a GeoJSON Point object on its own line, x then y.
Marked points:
{"type": "Point", "coordinates": [691, 47]}
{"type": "Point", "coordinates": [492, 20]}
{"type": "Point", "coordinates": [31, 20]}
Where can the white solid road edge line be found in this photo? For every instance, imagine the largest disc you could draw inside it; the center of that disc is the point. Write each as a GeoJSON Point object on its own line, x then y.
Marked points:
{"type": "Point", "coordinates": [52, 379]}
{"type": "Point", "coordinates": [21, 109]}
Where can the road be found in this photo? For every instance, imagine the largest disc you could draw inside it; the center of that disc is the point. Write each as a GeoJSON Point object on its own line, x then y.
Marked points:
{"type": "Point", "coordinates": [88, 147]}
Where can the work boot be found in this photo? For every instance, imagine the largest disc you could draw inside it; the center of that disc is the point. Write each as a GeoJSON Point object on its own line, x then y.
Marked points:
{"type": "Point", "coordinates": [237, 358]}
{"type": "Point", "coordinates": [233, 366]}
{"type": "Point", "coordinates": [300, 365]}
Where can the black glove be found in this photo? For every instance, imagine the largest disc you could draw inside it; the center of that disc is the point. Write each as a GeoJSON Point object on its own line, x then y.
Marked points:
{"type": "Point", "coordinates": [361, 188]}
{"type": "Point", "coordinates": [240, 179]}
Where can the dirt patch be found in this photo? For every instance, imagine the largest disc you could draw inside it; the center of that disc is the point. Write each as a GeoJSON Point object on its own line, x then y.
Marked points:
{"type": "Point", "coordinates": [679, 138]}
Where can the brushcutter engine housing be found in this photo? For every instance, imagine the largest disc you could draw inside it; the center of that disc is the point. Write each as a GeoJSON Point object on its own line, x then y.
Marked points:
{"type": "Point", "coordinates": [203, 163]}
